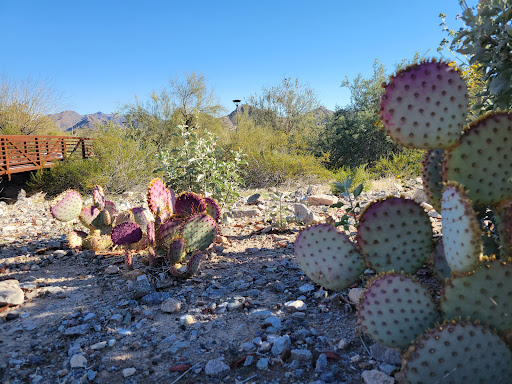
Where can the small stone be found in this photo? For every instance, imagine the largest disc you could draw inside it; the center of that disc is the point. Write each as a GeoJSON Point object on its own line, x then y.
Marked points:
{"type": "Point", "coordinates": [100, 345]}
{"type": "Point", "coordinates": [355, 359]}
{"type": "Point", "coordinates": [216, 368]}
{"type": "Point", "coordinates": [321, 363]}
{"type": "Point", "coordinates": [171, 305]}
{"type": "Point", "coordinates": [342, 344]}
{"type": "Point", "coordinates": [306, 288]}
{"type": "Point", "coordinates": [260, 312]}
{"type": "Point", "coordinates": [247, 347]}
{"type": "Point", "coordinates": [112, 269]}
{"type": "Point", "coordinates": [296, 305]}
{"type": "Point", "coordinates": [322, 199]}
{"type": "Point", "coordinates": [434, 214]}
{"type": "Point", "coordinates": [248, 361]}
{"type": "Point", "coordinates": [388, 369]}
{"type": "Point", "coordinates": [301, 355]}
{"type": "Point", "coordinates": [187, 320]}
{"type": "Point", "coordinates": [11, 293]}
{"type": "Point", "coordinates": [355, 294]}
{"type": "Point", "coordinates": [127, 372]}
{"type": "Point", "coordinates": [376, 377]}
{"type": "Point", "coordinates": [253, 199]}
{"type": "Point", "coordinates": [262, 364]}
{"type": "Point", "coordinates": [385, 354]}
{"type": "Point", "coordinates": [78, 361]}
{"type": "Point", "coordinates": [156, 298]}
{"type": "Point", "coordinates": [280, 345]}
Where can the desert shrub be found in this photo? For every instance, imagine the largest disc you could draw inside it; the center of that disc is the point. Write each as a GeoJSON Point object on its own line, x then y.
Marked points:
{"type": "Point", "coordinates": [198, 164]}
{"type": "Point", "coordinates": [120, 164]}
{"type": "Point", "coordinates": [359, 175]}
{"type": "Point", "coordinates": [406, 163]}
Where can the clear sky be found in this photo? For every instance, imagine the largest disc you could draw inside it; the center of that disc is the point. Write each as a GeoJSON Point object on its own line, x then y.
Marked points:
{"type": "Point", "coordinates": [100, 54]}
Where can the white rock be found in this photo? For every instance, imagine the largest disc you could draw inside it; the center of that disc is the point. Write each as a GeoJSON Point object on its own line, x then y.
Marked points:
{"type": "Point", "coordinates": [100, 345]}
{"type": "Point", "coordinates": [78, 361]}
{"type": "Point", "coordinates": [296, 305]}
{"type": "Point", "coordinates": [376, 377]}
{"type": "Point", "coordinates": [11, 293]}
{"type": "Point", "coordinates": [112, 269]}
{"type": "Point", "coordinates": [171, 306]}
{"type": "Point", "coordinates": [434, 214]}
{"type": "Point", "coordinates": [127, 372]}
{"type": "Point", "coordinates": [322, 199]}
{"type": "Point", "coordinates": [216, 368]}
{"type": "Point", "coordinates": [187, 320]}
{"type": "Point", "coordinates": [355, 294]}
{"type": "Point", "coordinates": [281, 344]}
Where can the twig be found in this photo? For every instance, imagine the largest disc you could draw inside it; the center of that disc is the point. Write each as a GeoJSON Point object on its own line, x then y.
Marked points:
{"type": "Point", "coordinates": [184, 373]}
{"type": "Point", "coordinates": [367, 350]}
{"type": "Point", "coordinates": [246, 380]}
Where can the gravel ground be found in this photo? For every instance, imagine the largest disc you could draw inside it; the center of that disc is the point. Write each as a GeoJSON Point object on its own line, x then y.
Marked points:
{"type": "Point", "coordinates": [249, 316]}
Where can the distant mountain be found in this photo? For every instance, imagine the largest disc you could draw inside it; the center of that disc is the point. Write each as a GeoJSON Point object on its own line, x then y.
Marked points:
{"type": "Point", "coordinates": [70, 120]}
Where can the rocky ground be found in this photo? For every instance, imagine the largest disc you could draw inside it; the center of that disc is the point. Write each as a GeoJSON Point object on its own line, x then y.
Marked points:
{"type": "Point", "coordinates": [249, 316]}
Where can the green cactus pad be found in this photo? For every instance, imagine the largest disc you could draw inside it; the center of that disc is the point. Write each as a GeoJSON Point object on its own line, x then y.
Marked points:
{"type": "Point", "coordinates": [212, 208]}
{"type": "Point", "coordinates": [157, 196]}
{"type": "Point", "coordinates": [395, 234]}
{"type": "Point", "coordinates": [462, 237]}
{"type": "Point", "coordinates": [110, 207]}
{"type": "Point", "coordinates": [425, 106]}
{"type": "Point", "coordinates": [328, 257]}
{"type": "Point", "coordinates": [167, 232]}
{"type": "Point", "coordinates": [88, 215]}
{"type": "Point", "coordinates": [395, 309]}
{"type": "Point", "coordinates": [98, 197]}
{"type": "Point", "coordinates": [198, 231]}
{"type": "Point", "coordinates": [482, 161]}
{"type": "Point", "coordinates": [97, 242]}
{"type": "Point", "coordinates": [126, 233]}
{"type": "Point", "coordinates": [66, 206]}
{"type": "Point", "coordinates": [76, 239]}
{"type": "Point", "coordinates": [432, 178]}
{"type": "Point", "coordinates": [194, 263]}
{"type": "Point", "coordinates": [439, 265]}
{"type": "Point", "coordinates": [485, 295]}
{"type": "Point", "coordinates": [142, 217]}
{"type": "Point", "coordinates": [458, 353]}
{"type": "Point", "coordinates": [176, 252]}
{"type": "Point", "coordinates": [188, 204]}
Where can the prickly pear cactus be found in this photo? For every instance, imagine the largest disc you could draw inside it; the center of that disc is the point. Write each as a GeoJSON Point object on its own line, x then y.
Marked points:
{"type": "Point", "coordinates": [88, 215]}
{"type": "Point", "coordinates": [439, 264]}
{"type": "Point", "coordinates": [212, 208]}
{"type": "Point", "coordinates": [198, 231]}
{"type": "Point", "coordinates": [395, 234]}
{"type": "Point", "coordinates": [328, 257]}
{"type": "Point", "coordinates": [76, 239]}
{"type": "Point", "coordinates": [425, 106]}
{"type": "Point", "coordinates": [191, 268]}
{"type": "Point", "coordinates": [158, 198]}
{"type": "Point", "coordinates": [98, 197]}
{"type": "Point", "coordinates": [188, 204]}
{"type": "Point", "coordinates": [166, 232]}
{"type": "Point", "coordinates": [432, 178]}
{"type": "Point", "coordinates": [97, 241]}
{"type": "Point", "coordinates": [482, 160]}
{"type": "Point", "coordinates": [176, 252]}
{"type": "Point", "coordinates": [126, 233]}
{"type": "Point", "coordinates": [462, 237]}
{"type": "Point", "coordinates": [395, 309]}
{"type": "Point", "coordinates": [66, 206]}
{"type": "Point", "coordinates": [459, 353]}
{"type": "Point", "coordinates": [485, 295]}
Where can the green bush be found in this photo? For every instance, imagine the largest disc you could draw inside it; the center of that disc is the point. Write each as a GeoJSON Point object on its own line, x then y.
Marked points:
{"type": "Point", "coordinates": [199, 165]}
{"type": "Point", "coordinates": [359, 175]}
{"type": "Point", "coordinates": [406, 164]}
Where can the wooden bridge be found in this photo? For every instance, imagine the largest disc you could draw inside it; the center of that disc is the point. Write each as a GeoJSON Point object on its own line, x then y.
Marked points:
{"type": "Point", "coordinates": [23, 153]}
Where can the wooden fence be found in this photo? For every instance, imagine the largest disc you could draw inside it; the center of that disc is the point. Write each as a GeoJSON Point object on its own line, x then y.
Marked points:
{"type": "Point", "coordinates": [23, 153]}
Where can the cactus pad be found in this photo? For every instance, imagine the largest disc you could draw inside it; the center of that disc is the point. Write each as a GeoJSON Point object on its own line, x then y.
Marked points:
{"type": "Point", "coordinates": [188, 204]}
{"type": "Point", "coordinates": [126, 233]}
{"type": "Point", "coordinates": [212, 208]}
{"type": "Point", "coordinates": [176, 252]}
{"type": "Point", "coordinates": [485, 295]}
{"type": "Point", "coordinates": [432, 178]}
{"type": "Point", "coordinates": [482, 161]}
{"type": "Point", "coordinates": [439, 265]}
{"type": "Point", "coordinates": [76, 239]}
{"type": "Point", "coordinates": [395, 234]}
{"type": "Point", "coordinates": [98, 197]}
{"type": "Point", "coordinates": [157, 196]}
{"type": "Point", "coordinates": [198, 231]}
{"type": "Point", "coordinates": [462, 237]}
{"type": "Point", "coordinates": [171, 200]}
{"type": "Point", "coordinates": [167, 232]}
{"type": "Point", "coordinates": [328, 257]}
{"type": "Point", "coordinates": [110, 207]}
{"type": "Point", "coordinates": [395, 309]}
{"type": "Point", "coordinates": [88, 215]}
{"type": "Point", "coordinates": [97, 242]}
{"type": "Point", "coordinates": [425, 106]}
{"type": "Point", "coordinates": [66, 206]}
{"type": "Point", "coordinates": [458, 352]}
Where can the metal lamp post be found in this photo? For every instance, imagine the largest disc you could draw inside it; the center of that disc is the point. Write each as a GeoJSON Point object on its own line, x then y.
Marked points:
{"type": "Point", "coordinates": [237, 104]}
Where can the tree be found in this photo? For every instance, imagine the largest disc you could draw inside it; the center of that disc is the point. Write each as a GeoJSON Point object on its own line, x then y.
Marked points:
{"type": "Point", "coordinates": [26, 104]}
{"type": "Point", "coordinates": [186, 101]}
{"type": "Point", "coordinates": [486, 43]}
{"type": "Point", "coordinates": [286, 106]}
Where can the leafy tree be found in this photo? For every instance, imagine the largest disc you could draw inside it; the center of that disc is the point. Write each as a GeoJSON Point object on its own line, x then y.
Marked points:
{"type": "Point", "coordinates": [286, 106]}
{"type": "Point", "coordinates": [186, 101]}
{"type": "Point", "coordinates": [25, 106]}
{"type": "Point", "coordinates": [486, 42]}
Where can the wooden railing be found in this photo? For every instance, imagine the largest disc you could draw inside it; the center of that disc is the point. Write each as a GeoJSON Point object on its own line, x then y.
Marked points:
{"type": "Point", "coordinates": [22, 153]}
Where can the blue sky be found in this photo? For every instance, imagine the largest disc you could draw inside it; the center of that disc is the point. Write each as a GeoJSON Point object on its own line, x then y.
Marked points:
{"type": "Point", "coordinates": [100, 54]}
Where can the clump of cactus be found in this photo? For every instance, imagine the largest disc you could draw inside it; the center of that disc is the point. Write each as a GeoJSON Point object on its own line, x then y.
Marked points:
{"type": "Point", "coordinates": [190, 220]}
{"type": "Point", "coordinates": [466, 170]}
